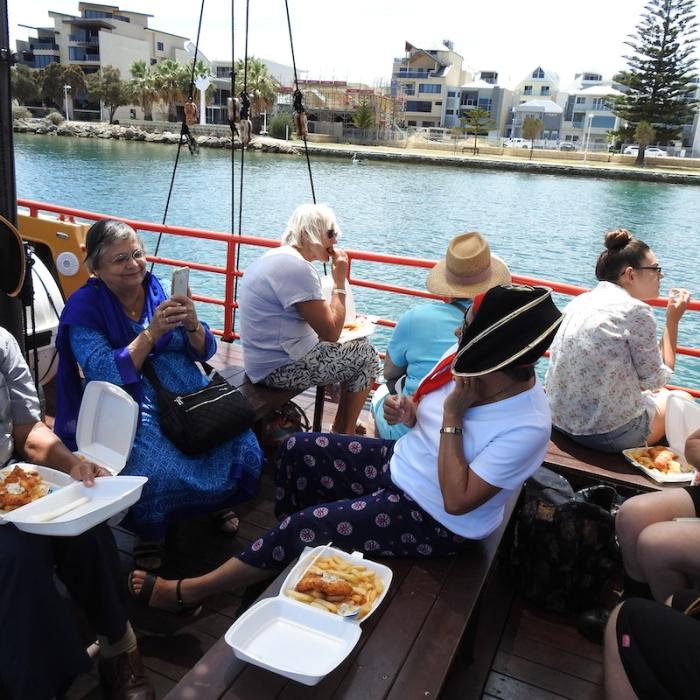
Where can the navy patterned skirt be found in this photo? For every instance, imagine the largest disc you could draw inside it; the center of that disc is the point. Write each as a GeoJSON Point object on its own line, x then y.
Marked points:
{"type": "Point", "coordinates": [338, 488]}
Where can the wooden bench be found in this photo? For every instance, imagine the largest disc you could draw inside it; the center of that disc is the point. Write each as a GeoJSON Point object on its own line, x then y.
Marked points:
{"type": "Point", "coordinates": [419, 643]}
{"type": "Point", "coordinates": [580, 463]}
{"type": "Point", "coordinates": [264, 400]}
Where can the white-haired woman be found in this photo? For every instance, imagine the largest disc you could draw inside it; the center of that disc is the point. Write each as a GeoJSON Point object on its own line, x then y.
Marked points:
{"type": "Point", "coordinates": [289, 331]}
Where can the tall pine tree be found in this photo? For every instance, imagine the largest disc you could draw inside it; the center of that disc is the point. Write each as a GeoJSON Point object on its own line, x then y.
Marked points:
{"type": "Point", "coordinates": [660, 78]}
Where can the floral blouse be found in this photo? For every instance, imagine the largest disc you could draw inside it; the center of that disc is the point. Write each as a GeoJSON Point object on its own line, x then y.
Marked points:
{"type": "Point", "coordinates": [602, 358]}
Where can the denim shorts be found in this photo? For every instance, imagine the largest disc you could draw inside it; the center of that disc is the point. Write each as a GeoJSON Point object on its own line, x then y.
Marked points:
{"type": "Point", "coordinates": [632, 434]}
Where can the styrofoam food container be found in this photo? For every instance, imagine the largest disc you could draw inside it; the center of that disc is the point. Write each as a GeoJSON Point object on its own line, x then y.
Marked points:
{"type": "Point", "coordinates": [108, 496]}
{"type": "Point", "coordinates": [291, 639]}
{"type": "Point", "coordinates": [384, 573]}
{"type": "Point", "coordinates": [105, 433]}
{"type": "Point", "coordinates": [682, 419]}
{"type": "Point", "coordinates": [107, 424]}
{"type": "Point", "coordinates": [365, 329]}
{"type": "Point", "coordinates": [296, 640]}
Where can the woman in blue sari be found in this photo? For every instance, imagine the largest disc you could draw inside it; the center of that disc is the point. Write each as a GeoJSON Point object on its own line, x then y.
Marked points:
{"type": "Point", "coordinates": [120, 318]}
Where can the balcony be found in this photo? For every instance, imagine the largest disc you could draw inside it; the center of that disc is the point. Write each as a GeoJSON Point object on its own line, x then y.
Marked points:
{"type": "Point", "coordinates": [83, 40]}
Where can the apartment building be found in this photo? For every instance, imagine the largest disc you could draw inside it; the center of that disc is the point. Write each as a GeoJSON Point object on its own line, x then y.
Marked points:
{"type": "Point", "coordinates": [485, 93]}
{"type": "Point", "coordinates": [101, 35]}
{"type": "Point", "coordinates": [588, 113]}
{"type": "Point", "coordinates": [425, 83]}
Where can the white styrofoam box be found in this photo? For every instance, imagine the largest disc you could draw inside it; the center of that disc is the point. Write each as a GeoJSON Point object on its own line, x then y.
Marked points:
{"type": "Point", "coordinates": [107, 425]}
{"type": "Point", "coordinates": [296, 641]}
{"type": "Point", "coordinates": [109, 495]}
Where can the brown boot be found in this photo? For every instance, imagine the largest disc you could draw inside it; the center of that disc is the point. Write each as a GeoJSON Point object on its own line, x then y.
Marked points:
{"type": "Point", "coordinates": [123, 677]}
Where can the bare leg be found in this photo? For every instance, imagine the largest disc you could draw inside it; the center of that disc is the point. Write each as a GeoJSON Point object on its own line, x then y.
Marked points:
{"type": "Point", "coordinates": [669, 556]}
{"type": "Point", "coordinates": [349, 407]}
{"type": "Point", "coordinates": [232, 574]}
{"type": "Point", "coordinates": [658, 424]}
{"type": "Point", "coordinates": [640, 512]}
{"type": "Point", "coordinates": [617, 686]}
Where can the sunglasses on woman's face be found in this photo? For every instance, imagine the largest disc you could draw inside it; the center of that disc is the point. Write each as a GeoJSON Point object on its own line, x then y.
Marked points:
{"type": "Point", "coordinates": [331, 233]}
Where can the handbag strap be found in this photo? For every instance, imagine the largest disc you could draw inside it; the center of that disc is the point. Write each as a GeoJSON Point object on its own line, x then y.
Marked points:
{"type": "Point", "coordinates": [150, 372]}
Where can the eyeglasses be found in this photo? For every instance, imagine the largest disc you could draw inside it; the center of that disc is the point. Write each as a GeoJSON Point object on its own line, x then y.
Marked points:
{"type": "Point", "coordinates": [331, 233]}
{"type": "Point", "coordinates": [123, 258]}
{"type": "Point", "coordinates": [655, 268]}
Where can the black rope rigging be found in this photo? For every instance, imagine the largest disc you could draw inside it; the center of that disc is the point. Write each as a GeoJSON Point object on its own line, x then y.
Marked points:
{"type": "Point", "coordinates": [300, 117]}
{"type": "Point", "coordinates": [184, 131]}
{"type": "Point", "coordinates": [244, 114]}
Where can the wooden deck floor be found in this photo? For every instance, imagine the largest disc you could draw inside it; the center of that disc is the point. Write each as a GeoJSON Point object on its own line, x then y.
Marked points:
{"type": "Point", "coordinates": [541, 656]}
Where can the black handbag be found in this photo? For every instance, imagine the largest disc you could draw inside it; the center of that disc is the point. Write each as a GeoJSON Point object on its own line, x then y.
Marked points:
{"type": "Point", "coordinates": [199, 420]}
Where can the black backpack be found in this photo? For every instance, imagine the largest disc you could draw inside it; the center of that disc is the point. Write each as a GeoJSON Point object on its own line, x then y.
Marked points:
{"type": "Point", "coordinates": [565, 551]}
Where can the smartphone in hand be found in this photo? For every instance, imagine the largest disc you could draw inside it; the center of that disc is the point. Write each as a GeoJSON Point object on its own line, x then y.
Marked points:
{"type": "Point", "coordinates": [181, 282]}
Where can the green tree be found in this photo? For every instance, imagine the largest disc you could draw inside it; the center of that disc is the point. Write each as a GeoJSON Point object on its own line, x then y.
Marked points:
{"type": "Point", "coordinates": [644, 134]}
{"type": "Point", "coordinates": [532, 128]}
{"type": "Point", "coordinates": [363, 117]}
{"type": "Point", "coordinates": [169, 82]}
{"type": "Point", "coordinates": [476, 121]}
{"type": "Point", "coordinates": [261, 86]}
{"type": "Point", "coordinates": [281, 125]}
{"type": "Point", "coordinates": [24, 86]}
{"type": "Point", "coordinates": [660, 76]}
{"type": "Point", "coordinates": [107, 86]}
{"type": "Point", "coordinates": [142, 88]}
{"type": "Point", "coordinates": [55, 76]}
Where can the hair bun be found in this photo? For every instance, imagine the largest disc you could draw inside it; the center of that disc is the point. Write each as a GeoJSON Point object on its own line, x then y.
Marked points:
{"type": "Point", "coordinates": [617, 240]}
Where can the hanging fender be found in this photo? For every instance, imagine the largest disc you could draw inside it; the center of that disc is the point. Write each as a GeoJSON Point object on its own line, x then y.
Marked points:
{"type": "Point", "coordinates": [246, 131]}
{"type": "Point", "coordinates": [301, 124]}
{"type": "Point", "coordinates": [234, 109]}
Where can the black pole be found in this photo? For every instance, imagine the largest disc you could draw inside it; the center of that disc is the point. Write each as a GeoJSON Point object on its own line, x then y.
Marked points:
{"type": "Point", "coordinates": [10, 309]}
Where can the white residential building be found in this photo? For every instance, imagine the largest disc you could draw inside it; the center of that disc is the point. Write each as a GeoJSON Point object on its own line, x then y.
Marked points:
{"type": "Point", "coordinates": [426, 82]}
{"type": "Point", "coordinates": [102, 35]}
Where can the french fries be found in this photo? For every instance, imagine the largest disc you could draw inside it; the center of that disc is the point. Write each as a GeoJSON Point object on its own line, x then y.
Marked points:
{"type": "Point", "coordinates": [367, 586]}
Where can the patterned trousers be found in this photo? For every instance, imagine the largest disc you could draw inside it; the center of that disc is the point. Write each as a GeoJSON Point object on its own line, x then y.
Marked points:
{"type": "Point", "coordinates": [354, 364]}
{"type": "Point", "coordinates": [337, 488]}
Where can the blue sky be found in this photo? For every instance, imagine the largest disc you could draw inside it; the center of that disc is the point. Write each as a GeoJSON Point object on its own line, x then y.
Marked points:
{"type": "Point", "coordinates": [357, 41]}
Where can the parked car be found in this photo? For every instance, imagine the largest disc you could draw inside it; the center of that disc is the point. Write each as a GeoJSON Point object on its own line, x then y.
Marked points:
{"type": "Point", "coordinates": [516, 143]}
{"type": "Point", "coordinates": [651, 151]}
{"type": "Point", "coordinates": [567, 146]}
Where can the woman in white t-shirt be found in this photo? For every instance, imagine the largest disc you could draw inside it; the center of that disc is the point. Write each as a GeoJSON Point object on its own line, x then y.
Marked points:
{"type": "Point", "coordinates": [289, 331]}
{"type": "Point", "coordinates": [607, 371]}
{"type": "Point", "coordinates": [481, 427]}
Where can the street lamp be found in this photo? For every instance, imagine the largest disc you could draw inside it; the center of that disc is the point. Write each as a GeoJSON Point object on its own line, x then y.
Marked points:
{"type": "Point", "coordinates": [588, 135]}
{"type": "Point", "coordinates": [65, 98]}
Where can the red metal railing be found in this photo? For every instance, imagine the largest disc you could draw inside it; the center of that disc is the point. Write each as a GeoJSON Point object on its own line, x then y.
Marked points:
{"type": "Point", "coordinates": [229, 270]}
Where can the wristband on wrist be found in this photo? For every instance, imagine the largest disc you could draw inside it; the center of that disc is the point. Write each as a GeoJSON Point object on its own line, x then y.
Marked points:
{"type": "Point", "coordinates": [193, 330]}
{"type": "Point", "coordinates": [338, 290]}
{"type": "Point", "coordinates": [451, 430]}
{"type": "Point", "coordinates": [149, 335]}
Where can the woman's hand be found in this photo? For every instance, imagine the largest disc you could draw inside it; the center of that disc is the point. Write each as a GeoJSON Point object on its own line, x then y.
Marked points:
{"type": "Point", "coordinates": [169, 314]}
{"type": "Point", "coordinates": [191, 321]}
{"type": "Point", "coordinates": [87, 471]}
{"type": "Point", "coordinates": [677, 304]}
{"type": "Point", "coordinates": [339, 267]}
{"type": "Point", "coordinates": [399, 409]}
{"type": "Point", "coordinates": [465, 394]}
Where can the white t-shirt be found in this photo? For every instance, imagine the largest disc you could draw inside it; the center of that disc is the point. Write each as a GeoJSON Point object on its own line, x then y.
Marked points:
{"type": "Point", "coordinates": [504, 443]}
{"type": "Point", "coordinates": [273, 333]}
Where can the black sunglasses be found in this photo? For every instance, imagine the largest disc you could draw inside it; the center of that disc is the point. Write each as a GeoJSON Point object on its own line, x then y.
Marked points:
{"type": "Point", "coordinates": [655, 268]}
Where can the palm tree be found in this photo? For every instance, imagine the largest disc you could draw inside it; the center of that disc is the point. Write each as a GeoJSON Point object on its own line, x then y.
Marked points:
{"type": "Point", "coordinates": [261, 86]}
{"type": "Point", "coordinates": [532, 128]}
{"type": "Point", "coordinates": [142, 88]}
{"type": "Point", "coordinates": [168, 82]}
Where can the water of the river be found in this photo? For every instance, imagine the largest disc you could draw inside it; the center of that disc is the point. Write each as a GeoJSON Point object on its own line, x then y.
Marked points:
{"type": "Point", "coordinates": [542, 225]}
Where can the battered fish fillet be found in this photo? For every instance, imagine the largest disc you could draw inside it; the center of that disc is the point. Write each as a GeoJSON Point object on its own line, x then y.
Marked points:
{"type": "Point", "coordinates": [327, 584]}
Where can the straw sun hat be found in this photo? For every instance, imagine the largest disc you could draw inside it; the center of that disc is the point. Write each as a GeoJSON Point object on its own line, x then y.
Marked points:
{"type": "Point", "coordinates": [468, 268]}
{"type": "Point", "coordinates": [513, 326]}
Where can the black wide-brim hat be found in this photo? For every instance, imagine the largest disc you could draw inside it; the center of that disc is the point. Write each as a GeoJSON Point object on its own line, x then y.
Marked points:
{"type": "Point", "coordinates": [514, 326]}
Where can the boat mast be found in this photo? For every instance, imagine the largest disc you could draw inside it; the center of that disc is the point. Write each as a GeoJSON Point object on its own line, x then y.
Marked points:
{"type": "Point", "coordinates": [10, 309]}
